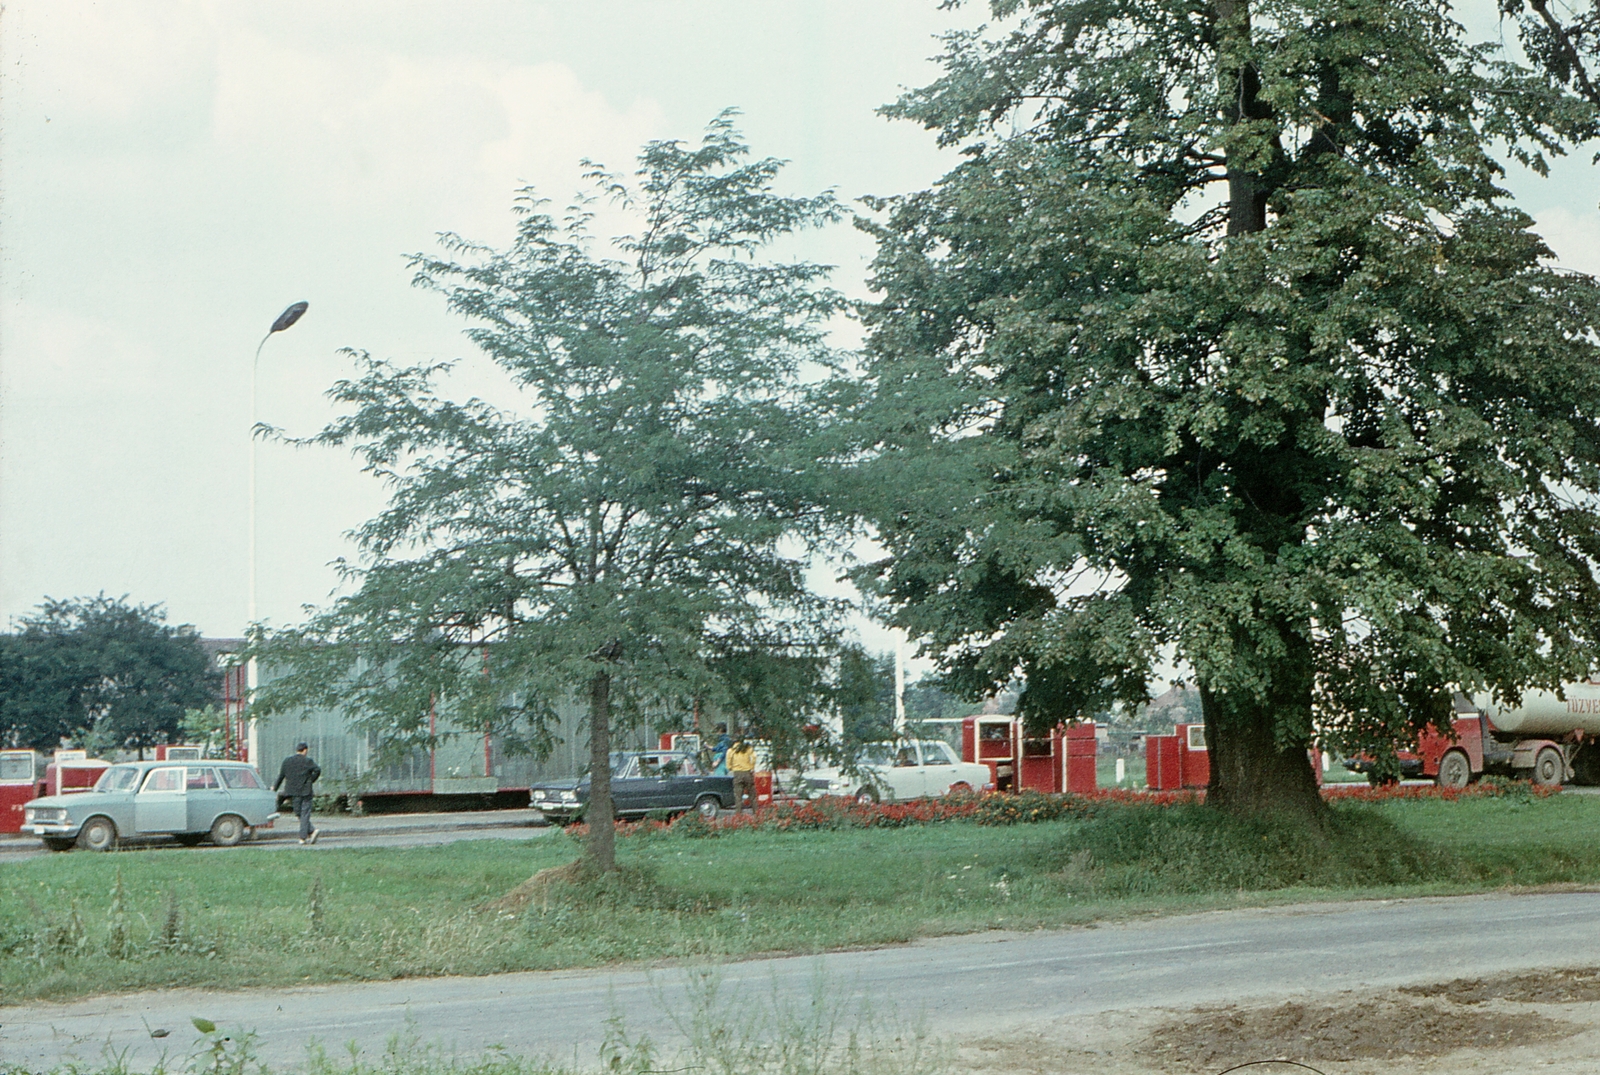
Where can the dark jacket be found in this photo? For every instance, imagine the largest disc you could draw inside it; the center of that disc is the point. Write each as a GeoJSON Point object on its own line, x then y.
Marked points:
{"type": "Point", "coordinates": [297, 775]}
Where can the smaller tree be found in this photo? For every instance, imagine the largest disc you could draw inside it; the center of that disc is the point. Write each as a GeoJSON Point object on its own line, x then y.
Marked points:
{"type": "Point", "coordinates": [618, 530]}
{"type": "Point", "coordinates": [102, 672]}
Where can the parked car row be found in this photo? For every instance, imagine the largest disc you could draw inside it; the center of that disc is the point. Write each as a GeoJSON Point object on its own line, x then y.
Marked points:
{"type": "Point", "coordinates": [672, 781]}
{"type": "Point", "coordinates": [226, 801]}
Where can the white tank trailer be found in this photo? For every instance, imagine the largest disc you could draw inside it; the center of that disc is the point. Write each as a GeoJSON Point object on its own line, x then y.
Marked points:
{"type": "Point", "coordinates": [1548, 713]}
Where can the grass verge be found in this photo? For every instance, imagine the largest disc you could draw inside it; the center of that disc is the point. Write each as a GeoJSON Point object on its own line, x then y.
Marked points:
{"type": "Point", "coordinates": [78, 924]}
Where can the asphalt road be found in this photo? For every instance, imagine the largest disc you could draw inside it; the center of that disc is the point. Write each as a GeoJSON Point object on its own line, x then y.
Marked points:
{"type": "Point", "coordinates": [955, 985]}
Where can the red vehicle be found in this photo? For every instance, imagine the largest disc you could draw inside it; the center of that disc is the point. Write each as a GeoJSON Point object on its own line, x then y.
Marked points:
{"type": "Point", "coordinates": [1548, 739]}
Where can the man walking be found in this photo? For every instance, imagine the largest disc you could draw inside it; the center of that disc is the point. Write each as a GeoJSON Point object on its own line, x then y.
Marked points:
{"type": "Point", "coordinates": [742, 764]}
{"type": "Point", "coordinates": [296, 775]}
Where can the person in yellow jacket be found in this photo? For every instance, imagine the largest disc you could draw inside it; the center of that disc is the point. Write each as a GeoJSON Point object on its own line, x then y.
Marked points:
{"type": "Point", "coordinates": [741, 760]}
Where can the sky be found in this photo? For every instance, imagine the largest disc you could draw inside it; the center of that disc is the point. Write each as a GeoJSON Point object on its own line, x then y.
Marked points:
{"type": "Point", "coordinates": [174, 174]}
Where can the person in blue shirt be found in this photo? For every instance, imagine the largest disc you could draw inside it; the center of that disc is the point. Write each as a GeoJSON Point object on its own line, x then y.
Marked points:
{"type": "Point", "coordinates": [720, 752]}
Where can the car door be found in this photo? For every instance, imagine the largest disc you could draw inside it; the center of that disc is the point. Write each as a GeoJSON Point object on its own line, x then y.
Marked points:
{"type": "Point", "coordinates": [938, 767]}
{"type": "Point", "coordinates": [207, 797]}
{"type": "Point", "coordinates": [629, 787]}
{"type": "Point", "coordinates": [904, 774]}
{"type": "Point", "coordinates": [162, 804]}
{"type": "Point", "coordinates": [681, 782]}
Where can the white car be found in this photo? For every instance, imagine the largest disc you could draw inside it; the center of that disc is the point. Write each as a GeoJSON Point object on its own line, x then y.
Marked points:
{"type": "Point", "coordinates": [907, 769]}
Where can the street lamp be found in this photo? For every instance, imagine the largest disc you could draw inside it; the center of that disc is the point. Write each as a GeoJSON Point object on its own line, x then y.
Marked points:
{"type": "Point", "coordinates": [285, 319]}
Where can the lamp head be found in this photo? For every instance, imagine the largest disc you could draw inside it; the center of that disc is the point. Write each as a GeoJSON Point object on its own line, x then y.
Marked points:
{"type": "Point", "coordinates": [288, 317]}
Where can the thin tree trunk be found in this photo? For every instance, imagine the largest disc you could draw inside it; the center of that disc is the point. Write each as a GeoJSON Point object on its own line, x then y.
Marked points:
{"type": "Point", "coordinates": [601, 815]}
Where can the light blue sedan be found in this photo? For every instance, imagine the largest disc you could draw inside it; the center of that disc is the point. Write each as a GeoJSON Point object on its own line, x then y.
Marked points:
{"type": "Point", "coordinates": [226, 800]}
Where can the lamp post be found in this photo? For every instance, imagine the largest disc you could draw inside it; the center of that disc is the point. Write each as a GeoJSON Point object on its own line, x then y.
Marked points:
{"type": "Point", "coordinates": [285, 319]}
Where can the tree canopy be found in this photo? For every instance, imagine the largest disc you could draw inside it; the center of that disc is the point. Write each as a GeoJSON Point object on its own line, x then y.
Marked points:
{"type": "Point", "coordinates": [1224, 346]}
{"type": "Point", "coordinates": [628, 526]}
{"type": "Point", "coordinates": [102, 673]}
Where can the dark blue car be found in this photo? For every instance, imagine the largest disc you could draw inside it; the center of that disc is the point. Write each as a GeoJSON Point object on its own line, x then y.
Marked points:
{"type": "Point", "coordinates": [641, 781]}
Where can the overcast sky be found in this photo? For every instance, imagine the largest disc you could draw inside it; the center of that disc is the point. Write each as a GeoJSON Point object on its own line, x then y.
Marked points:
{"type": "Point", "coordinates": [174, 174]}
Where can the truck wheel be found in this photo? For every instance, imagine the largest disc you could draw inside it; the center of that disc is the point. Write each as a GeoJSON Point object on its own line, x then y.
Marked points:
{"type": "Point", "coordinates": [97, 834]}
{"type": "Point", "coordinates": [1455, 771]}
{"type": "Point", "coordinates": [1549, 768]}
{"type": "Point", "coordinates": [227, 830]}
{"type": "Point", "coordinates": [708, 807]}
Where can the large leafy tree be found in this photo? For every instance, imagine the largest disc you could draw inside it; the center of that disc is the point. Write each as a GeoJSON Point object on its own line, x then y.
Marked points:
{"type": "Point", "coordinates": [101, 672]}
{"type": "Point", "coordinates": [1225, 346]}
{"type": "Point", "coordinates": [621, 528]}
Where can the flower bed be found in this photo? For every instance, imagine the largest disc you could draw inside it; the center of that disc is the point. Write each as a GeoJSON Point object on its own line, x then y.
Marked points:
{"type": "Point", "coordinates": [1000, 808]}
{"type": "Point", "coordinates": [1490, 788]}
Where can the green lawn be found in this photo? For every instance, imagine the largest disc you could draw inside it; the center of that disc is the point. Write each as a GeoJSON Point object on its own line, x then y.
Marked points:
{"type": "Point", "coordinates": [254, 917]}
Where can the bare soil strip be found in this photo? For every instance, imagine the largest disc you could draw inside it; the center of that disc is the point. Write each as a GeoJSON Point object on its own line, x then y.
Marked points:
{"type": "Point", "coordinates": [1549, 1022]}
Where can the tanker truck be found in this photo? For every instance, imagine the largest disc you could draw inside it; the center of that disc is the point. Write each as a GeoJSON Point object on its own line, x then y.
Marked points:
{"type": "Point", "coordinates": [1547, 738]}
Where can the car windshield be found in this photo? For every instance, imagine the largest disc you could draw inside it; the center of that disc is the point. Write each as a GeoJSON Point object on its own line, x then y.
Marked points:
{"type": "Point", "coordinates": [937, 753]}
{"type": "Point", "coordinates": [118, 778]}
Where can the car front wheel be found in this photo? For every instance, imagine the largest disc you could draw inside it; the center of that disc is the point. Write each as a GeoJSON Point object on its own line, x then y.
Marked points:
{"type": "Point", "coordinates": [708, 807]}
{"type": "Point", "coordinates": [97, 834]}
{"type": "Point", "coordinates": [227, 830]}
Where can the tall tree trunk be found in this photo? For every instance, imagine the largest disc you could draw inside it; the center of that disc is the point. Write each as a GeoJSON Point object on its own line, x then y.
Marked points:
{"type": "Point", "coordinates": [1239, 89]}
{"type": "Point", "coordinates": [601, 814]}
{"type": "Point", "coordinates": [1259, 747]}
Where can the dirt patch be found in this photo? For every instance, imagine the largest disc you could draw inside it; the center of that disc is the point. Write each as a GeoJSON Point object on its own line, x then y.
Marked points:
{"type": "Point", "coordinates": [1381, 1028]}
{"type": "Point", "coordinates": [1580, 986]}
{"type": "Point", "coordinates": [538, 885]}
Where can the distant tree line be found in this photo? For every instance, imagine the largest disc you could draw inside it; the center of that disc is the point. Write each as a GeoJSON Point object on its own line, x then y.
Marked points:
{"type": "Point", "coordinates": [100, 673]}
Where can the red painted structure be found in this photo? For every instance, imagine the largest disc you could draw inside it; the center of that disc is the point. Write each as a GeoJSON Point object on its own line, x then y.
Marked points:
{"type": "Point", "coordinates": [235, 725]}
{"type": "Point", "coordinates": [1162, 771]}
{"type": "Point", "coordinates": [18, 769]}
{"type": "Point", "coordinates": [1083, 748]}
{"type": "Point", "coordinates": [70, 771]}
{"type": "Point", "coordinates": [993, 741]}
{"type": "Point", "coordinates": [1062, 761]}
{"type": "Point", "coordinates": [1180, 760]}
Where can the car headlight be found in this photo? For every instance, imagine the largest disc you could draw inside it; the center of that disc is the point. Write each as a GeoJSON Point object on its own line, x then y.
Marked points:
{"type": "Point", "coordinates": [569, 796]}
